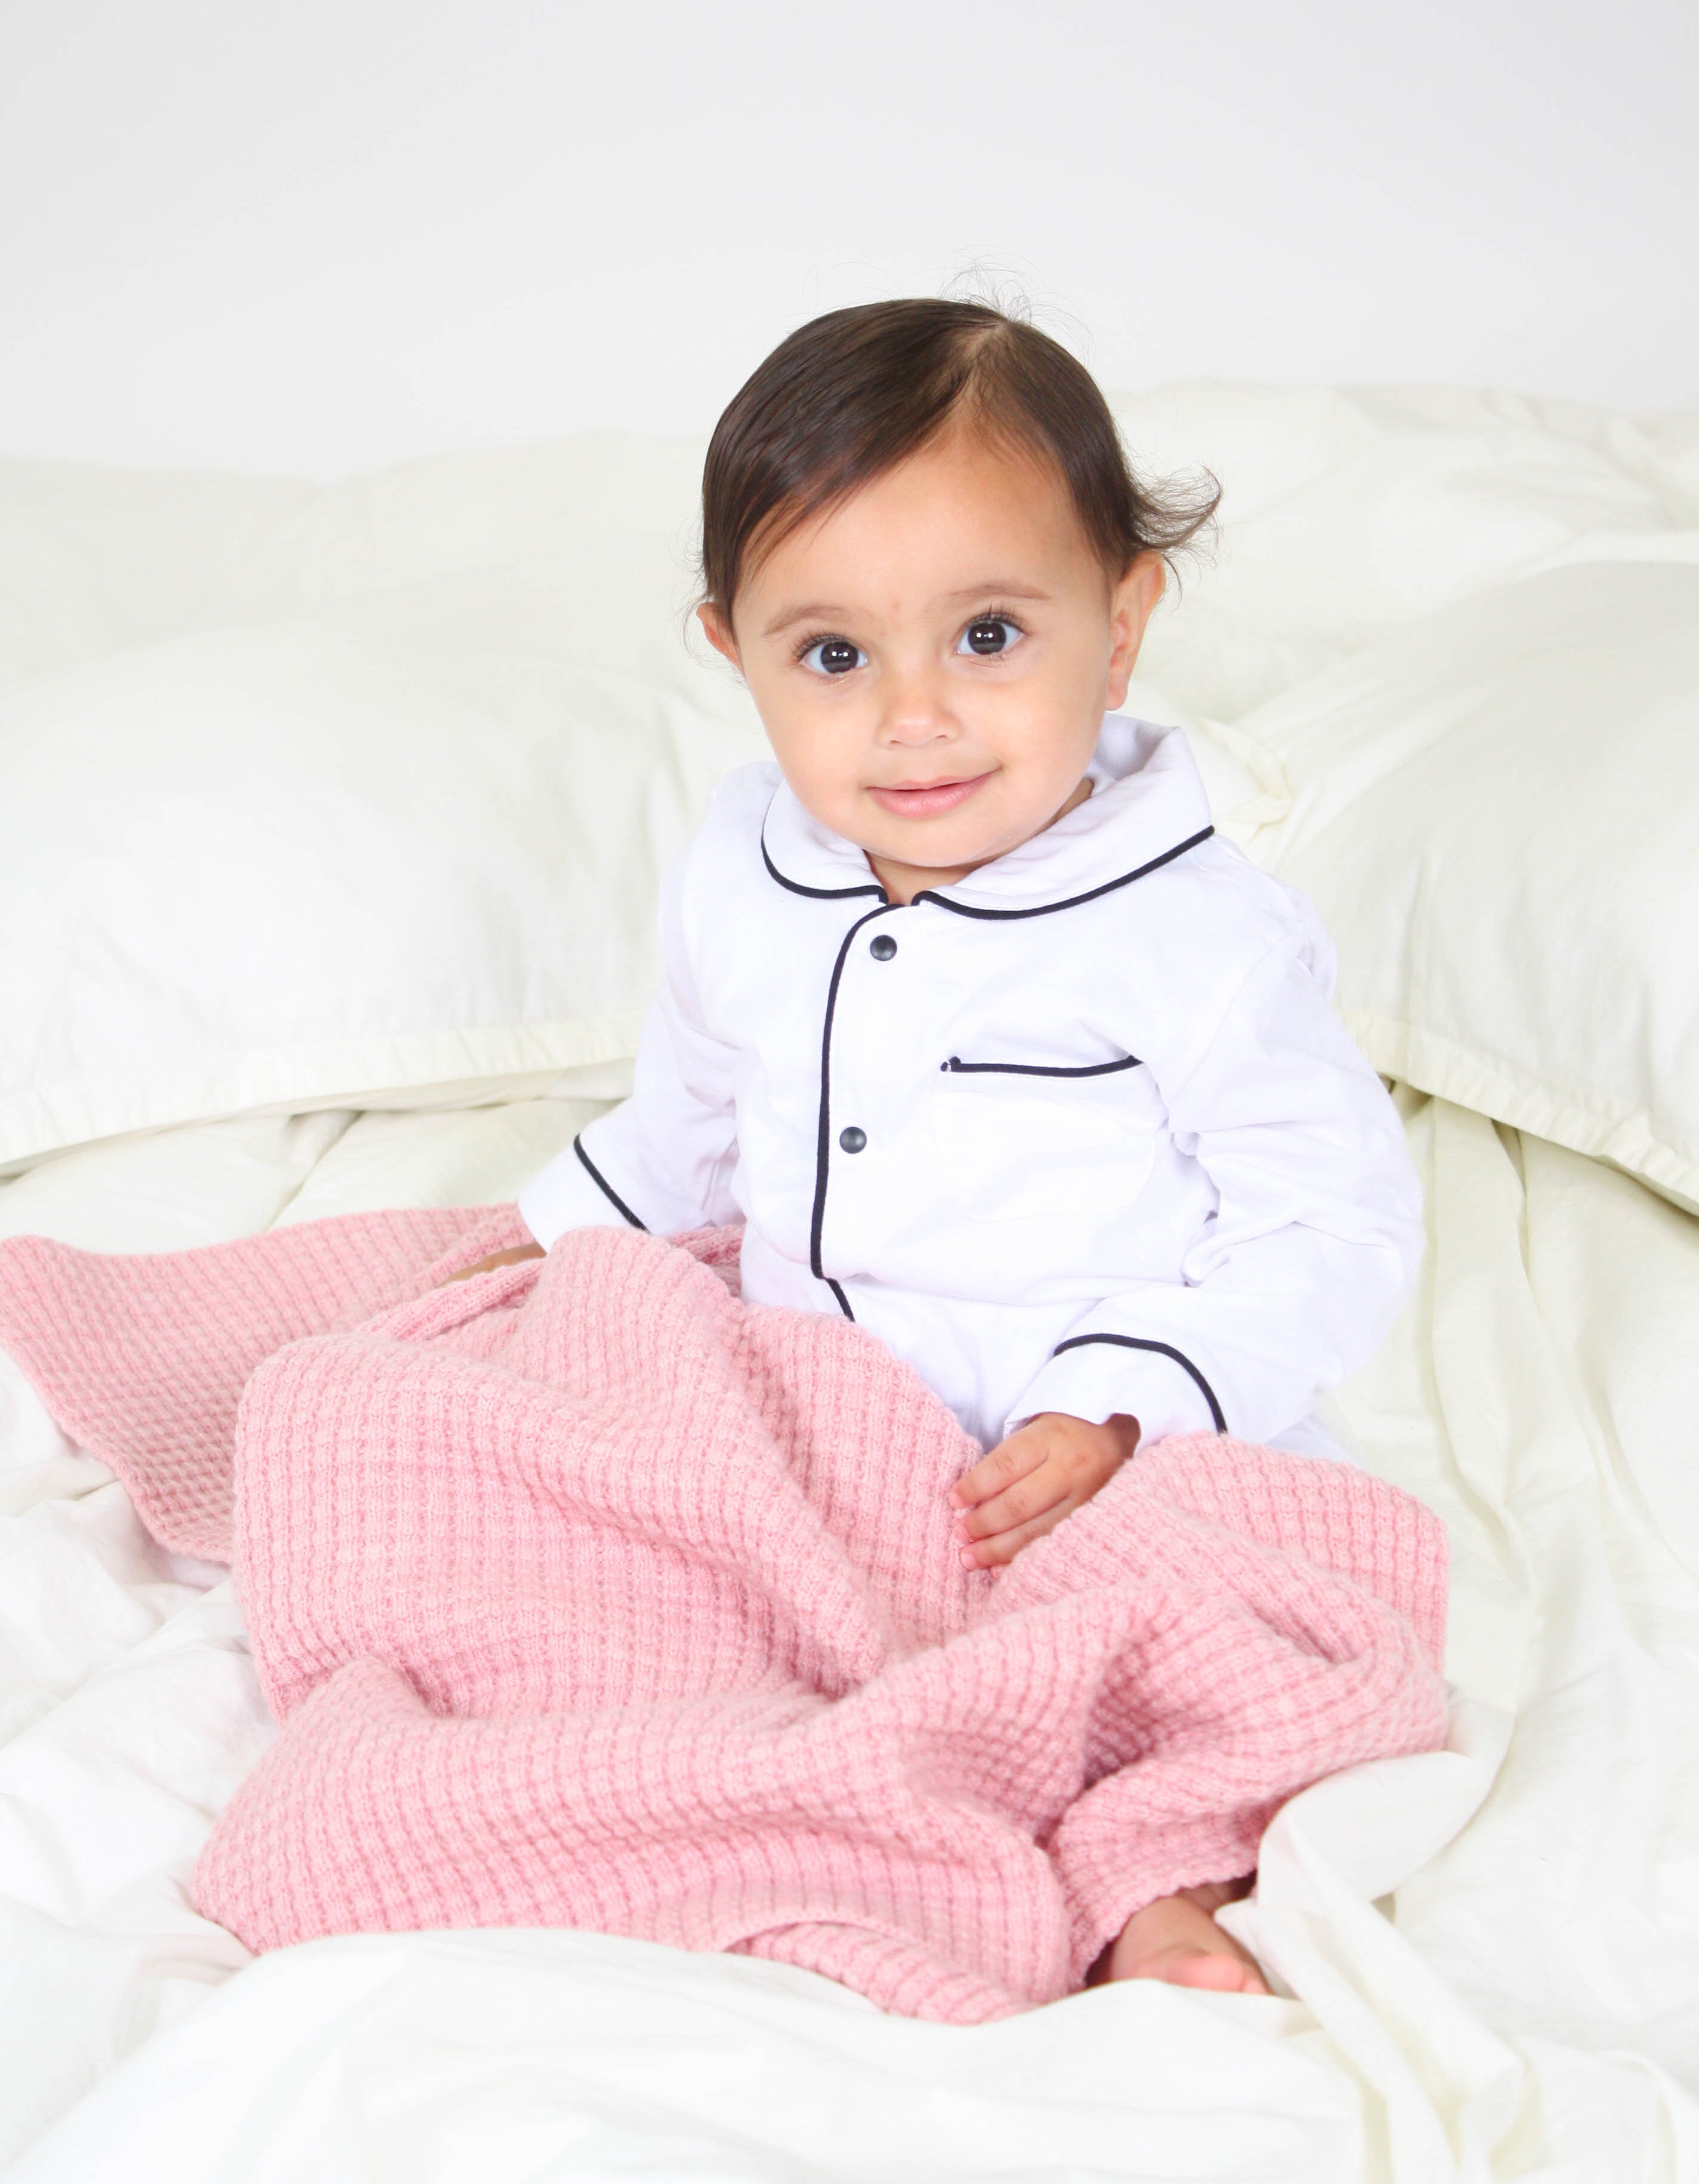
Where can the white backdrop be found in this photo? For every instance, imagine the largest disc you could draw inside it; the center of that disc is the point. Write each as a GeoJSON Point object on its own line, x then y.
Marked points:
{"type": "Point", "coordinates": [322, 234]}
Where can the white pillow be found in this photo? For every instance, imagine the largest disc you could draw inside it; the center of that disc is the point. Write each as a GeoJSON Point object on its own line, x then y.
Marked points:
{"type": "Point", "coordinates": [94, 559]}
{"type": "Point", "coordinates": [1496, 811]}
{"type": "Point", "coordinates": [577, 550]}
{"type": "Point", "coordinates": [292, 866]}
{"type": "Point", "coordinates": [1348, 512]}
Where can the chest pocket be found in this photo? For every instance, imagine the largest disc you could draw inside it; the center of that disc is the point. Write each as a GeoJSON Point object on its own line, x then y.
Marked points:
{"type": "Point", "coordinates": [1013, 1146]}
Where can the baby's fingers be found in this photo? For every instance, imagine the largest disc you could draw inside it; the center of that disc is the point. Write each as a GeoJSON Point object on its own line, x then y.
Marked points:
{"type": "Point", "coordinates": [1003, 1547]}
{"type": "Point", "coordinates": [491, 1260]}
{"type": "Point", "coordinates": [1017, 1458]}
{"type": "Point", "coordinates": [1030, 1498]}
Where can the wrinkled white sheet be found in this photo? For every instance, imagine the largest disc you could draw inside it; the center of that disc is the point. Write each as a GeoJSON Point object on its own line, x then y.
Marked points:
{"type": "Point", "coordinates": [1494, 1951]}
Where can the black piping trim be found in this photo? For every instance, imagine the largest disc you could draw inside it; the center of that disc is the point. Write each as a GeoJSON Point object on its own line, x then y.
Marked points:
{"type": "Point", "coordinates": [1072, 902]}
{"type": "Point", "coordinates": [843, 1302]}
{"type": "Point", "coordinates": [819, 894]}
{"type": "Point", "coordinates": [1162, 1350]}
{"type": "Point", "coordinates": [606, 1188]}
{"type": "Point", "coordinates": [957, 1068]}
{"type": "Point", "coordinates": [824, 1142]}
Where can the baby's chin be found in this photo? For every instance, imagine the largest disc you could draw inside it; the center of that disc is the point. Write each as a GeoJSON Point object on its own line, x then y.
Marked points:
{"type": "Point", "coordinates": [932, 847]}
{"type": "Point", "coordinates": [938, 845]}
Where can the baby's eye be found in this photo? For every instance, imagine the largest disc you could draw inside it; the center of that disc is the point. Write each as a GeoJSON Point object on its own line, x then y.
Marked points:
{"type": "Point", "coordinates": [990, 634]}
{"type": "Point", "coordinates": [834, 655]}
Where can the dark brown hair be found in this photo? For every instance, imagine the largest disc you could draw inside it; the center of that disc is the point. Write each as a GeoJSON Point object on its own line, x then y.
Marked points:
{"type": "Point", "coordinates": [849, 396]}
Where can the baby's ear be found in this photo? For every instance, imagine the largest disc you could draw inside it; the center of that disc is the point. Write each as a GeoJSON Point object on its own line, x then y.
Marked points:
{"type": "Point", "coordinates": [717, 630]}
{"type": "Point", "coordinates": [1131, 604]}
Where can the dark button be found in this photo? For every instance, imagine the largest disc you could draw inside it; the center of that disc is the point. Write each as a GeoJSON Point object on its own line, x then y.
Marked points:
{"type": "Point", "coordinates": [852, 1139]}
{"type": "Point", "coordinates": [882, 946]}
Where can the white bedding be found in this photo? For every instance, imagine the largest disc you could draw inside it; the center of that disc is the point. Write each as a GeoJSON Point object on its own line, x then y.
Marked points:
{"type": "Point", "coordinates": [1522, 2001]}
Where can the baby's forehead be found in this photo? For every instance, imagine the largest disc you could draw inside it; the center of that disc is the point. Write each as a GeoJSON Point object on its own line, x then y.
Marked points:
{"type": "Point", "coordinates": [949, 527]}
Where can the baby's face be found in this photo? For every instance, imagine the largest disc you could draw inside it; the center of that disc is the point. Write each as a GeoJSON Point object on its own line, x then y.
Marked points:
{"type": "Point", "coordinates": [932, 659]}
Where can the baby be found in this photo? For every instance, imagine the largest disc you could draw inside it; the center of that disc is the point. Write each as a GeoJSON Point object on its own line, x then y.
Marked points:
{"type": "Point", "coordinates": [968, 1016]}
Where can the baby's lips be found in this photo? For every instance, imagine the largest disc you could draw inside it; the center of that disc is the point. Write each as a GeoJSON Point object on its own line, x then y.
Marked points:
{"type": "Point", "coordinates": [927, 799]}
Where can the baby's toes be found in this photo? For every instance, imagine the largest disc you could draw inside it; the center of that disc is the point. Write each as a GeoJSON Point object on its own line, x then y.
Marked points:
{"type": "Point", "coordinates": [1213, 1970]}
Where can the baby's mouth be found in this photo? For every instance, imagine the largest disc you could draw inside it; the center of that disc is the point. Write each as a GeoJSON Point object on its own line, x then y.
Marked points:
{"type": "Point", "coordinates": [925, 800]}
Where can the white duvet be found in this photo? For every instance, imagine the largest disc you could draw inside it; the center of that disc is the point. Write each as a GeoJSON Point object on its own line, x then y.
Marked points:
{"type": "Point", "coordinates": [1492, 1954]}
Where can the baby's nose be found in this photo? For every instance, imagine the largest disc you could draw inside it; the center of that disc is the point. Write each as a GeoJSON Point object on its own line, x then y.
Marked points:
{"type": "Point", "coordinates": [915, 713]}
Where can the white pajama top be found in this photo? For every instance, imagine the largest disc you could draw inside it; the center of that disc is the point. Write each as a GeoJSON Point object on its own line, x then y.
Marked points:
{"type": "Point", "coordinates": [1080, 1133]}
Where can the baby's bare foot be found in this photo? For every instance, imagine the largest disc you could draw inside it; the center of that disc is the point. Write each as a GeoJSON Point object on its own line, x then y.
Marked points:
{"type": "Point", "coordinates": [1176, 1939]}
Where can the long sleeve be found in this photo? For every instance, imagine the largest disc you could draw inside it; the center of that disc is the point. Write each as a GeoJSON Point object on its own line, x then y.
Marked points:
{"type": "Point", "coordinates": [1293, 1282]}
{"type": "Point", "coordinates": [663, 1159]}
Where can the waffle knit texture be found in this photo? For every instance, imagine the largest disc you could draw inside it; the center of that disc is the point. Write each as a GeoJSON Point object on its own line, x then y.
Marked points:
{"type": "Point", "coordinates": [588, 1596]}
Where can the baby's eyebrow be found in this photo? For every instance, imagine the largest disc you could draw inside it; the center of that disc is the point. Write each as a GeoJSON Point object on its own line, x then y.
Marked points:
{"type": "Point", "coordinates": [826, 610]}
{"type": "Point", "coordinates": [818, 612]}
{"type": "Point", "coordinates": [992, 588]}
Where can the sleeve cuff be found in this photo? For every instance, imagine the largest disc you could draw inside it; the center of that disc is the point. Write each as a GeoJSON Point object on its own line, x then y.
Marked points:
{"type": "Point", "coordinates": [1101, 1377]}
{"type": "Point", "coordinates": [567, 1195]}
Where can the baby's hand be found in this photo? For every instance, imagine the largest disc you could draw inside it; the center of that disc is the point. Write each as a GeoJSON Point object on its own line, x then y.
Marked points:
{"type": "Point", "coordinates": [494, 1259]}
{"type": "Point", "coordinates": [1029, 1483]}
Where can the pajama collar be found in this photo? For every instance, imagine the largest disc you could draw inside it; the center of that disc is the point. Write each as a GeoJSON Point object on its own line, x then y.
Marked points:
{"type": "Point", "coordinates": [1146, 807]}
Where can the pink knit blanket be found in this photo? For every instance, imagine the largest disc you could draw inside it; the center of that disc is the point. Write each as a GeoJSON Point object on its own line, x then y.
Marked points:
{"type": "Point", "coordinates": [586, 1595]}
